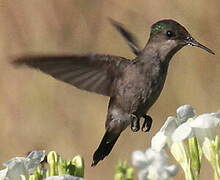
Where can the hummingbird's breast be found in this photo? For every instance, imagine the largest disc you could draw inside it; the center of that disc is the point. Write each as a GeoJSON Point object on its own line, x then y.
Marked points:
{"type": "Point", "coordinates": [154, 78]}
{"type": "Point", "coordinates": [140, 86]}
{"type": "Point", "coordinates": [158, 77]}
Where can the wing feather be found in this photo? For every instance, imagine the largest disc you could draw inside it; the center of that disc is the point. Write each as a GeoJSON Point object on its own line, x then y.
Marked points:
{"type": "Point", "coordinates": [94, 73]}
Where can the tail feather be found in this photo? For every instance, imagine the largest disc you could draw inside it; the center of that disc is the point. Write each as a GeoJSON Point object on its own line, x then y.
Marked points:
{"type": "Point", "coordinates": [108, 141]}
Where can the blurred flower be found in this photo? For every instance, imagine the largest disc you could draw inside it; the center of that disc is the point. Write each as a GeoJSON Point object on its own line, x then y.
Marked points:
{"type": "Point", "coordinates": [180, 150]}
{"type": "Point", "coordinates": [3, 173]}
{"type": "Point", "coordinates": [58, 166]}
{"type": "Point", "coordinates": [78, 162]}
{"type": "Point", "coordinates": [123, 171]}
{"type": "Point", "coordinates": [20, 167]}
{"type": "Point", "coordinates": [164, 136]}
{"type": "Point", "coordinates": [52, 160]}
{"type": "Point", "coordinates": [30, 168]}
{"type": "Point", "coordinates": [63, 177]}
{"type": "Point", "coordinates": [153, 165]}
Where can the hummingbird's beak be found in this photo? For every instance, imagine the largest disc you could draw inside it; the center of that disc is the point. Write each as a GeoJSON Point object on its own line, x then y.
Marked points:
{"type": "Point", "coordinates": [191, 41]}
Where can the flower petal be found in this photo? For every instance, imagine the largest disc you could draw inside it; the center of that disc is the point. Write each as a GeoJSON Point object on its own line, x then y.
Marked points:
{"type": "Point", "coordinates": [22, 177]}
{"type": "Point", "coordinates": [21, 167]}
{"type": "Point", "coordinates": [184, 112]}
{"type": "Point", "coordinates": [158, 142]}
{"type": "Point", "coordinates": [63, 177]}
{"type": "Point", "coordinates": [184, 131]}
{"type": "Point", "coordinates": [202, 133]}
{"type": "Point", "coordinates": [172, 170]}
{"type": "Point", "coordinates": [165, 134]}
{"type": "Point", "coordinates": [16, 167]}
{"type": "Point", "coordinates": [180, 153]}
{"type": "Point", "coordinates": [3, 173]}
{"type": "Point", "coordinates": [34, 159]}
{"type": "Point", "coordinates": [216, 114]}
{"type": "Point", "coordinates": [153, 173]}
{"type": "Point", "coordinates": [208, 120]}
{"type": "Point", "coordinates": [142, 174]}
{"type": "Point", "coordinates": [169, 126]}
{"type": "Point", "coordinates": [157, 158]}
{"type": "Point", "coordinates": [139, 159]}
{"type": "Point", "coordinates": [207, 149]}
{"type": "Point", "coordinates": [156, 167]}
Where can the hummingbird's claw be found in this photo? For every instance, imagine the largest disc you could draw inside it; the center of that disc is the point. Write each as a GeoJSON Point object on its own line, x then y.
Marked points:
{"type": "Point", "coordinates": [147, 123]}
{"type": "Point", "coordinates": [135, 123]}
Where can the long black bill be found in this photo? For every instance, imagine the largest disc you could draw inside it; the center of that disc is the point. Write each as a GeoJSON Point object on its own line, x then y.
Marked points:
{"type": "Point", "coordinates": [191, 41]}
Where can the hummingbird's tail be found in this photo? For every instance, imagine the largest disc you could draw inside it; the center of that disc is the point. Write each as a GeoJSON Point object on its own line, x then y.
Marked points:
{"type": "Point", "coordinates": [105, 147]}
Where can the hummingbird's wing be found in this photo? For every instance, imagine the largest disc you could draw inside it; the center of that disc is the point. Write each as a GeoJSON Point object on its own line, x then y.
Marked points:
{"type": "Point", "coordinates": [94, 73]}
{"type": "Point", "coordinates": [128, 36]}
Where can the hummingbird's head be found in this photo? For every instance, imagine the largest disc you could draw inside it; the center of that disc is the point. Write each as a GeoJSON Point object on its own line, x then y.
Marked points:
{"type": "Point", "coordinates": [170, 36]}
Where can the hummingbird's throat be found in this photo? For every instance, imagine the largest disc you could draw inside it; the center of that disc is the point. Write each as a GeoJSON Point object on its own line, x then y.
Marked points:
{"type": "Point", "coordinates": [167, 49]}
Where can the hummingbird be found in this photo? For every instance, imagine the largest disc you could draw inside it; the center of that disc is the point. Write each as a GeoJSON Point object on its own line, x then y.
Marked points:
{"type": "Point", "coordinates": [132, 85]}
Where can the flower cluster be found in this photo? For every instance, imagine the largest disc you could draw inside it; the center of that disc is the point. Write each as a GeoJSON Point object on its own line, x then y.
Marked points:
{"type": "Point", "coordinates": [153, 165]}
{"type": "Point", "coordinates": [33, 167]}
{"type": "Point", "coordinates": [188, 136]}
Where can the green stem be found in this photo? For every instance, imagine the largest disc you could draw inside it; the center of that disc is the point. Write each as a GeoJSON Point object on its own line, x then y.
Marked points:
{"type": "Point", "coordinates": [189, 173]}
{"type": "Point", "coordinates": [216, 174]}
{"type": "Point", "coordinates": [194, 156]}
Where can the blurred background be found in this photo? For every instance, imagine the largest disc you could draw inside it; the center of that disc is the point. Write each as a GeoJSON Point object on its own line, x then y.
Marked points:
{"type": "Point", "coordinates": [39, 112]}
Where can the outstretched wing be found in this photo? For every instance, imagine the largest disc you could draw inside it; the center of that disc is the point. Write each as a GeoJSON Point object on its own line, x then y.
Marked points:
{"type": "Point", "coordinates": [94, 73]}
{"type": "Point", "coordinates": [128, 36]}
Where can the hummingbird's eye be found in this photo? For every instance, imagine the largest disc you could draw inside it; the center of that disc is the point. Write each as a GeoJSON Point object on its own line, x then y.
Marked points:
{"type": "Point", "coordinates": [170, 34]}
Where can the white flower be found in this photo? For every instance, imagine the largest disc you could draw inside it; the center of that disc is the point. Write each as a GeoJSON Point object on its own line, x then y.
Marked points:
{"type": "Point", "coordinates": [203, 126]}
{"type": "Point", "coordinates": [153, 165]}
{"type": "Point", "coordinates": [20, 167]}
{"type": "Point", "coordinates": [186, 125]}
{"type": "Point", "coordinates": [3, 173]}
{"type": "Point", "coordinates": [63, 177]}
{"type": "Point", "coordinates": [185, 112]}
{"type": "Point", "coordinates": [179, 149]}
{"type": "Point", "coordinates": [164, 135]}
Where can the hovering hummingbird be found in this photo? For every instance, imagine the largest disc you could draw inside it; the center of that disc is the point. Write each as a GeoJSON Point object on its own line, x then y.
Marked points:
{"type": "Point", "coordinates": [132, 85]}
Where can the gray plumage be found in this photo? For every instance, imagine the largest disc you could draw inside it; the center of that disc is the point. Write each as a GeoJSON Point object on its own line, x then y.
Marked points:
{"type": "Point", "coordinates": [132, 85]}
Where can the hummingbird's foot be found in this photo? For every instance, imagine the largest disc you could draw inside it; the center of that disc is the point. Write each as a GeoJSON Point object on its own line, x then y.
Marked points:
{"type": "Point", "coordinates": [135, 123]}
{"type": "Point", "coordinates": [147, 123]}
